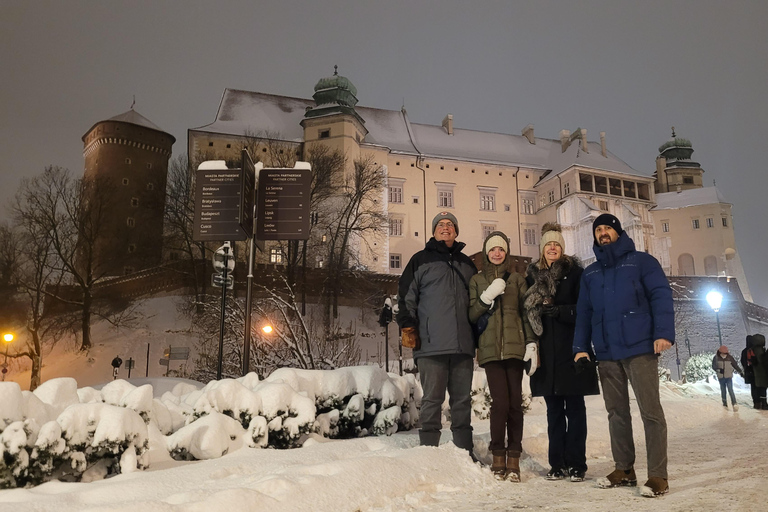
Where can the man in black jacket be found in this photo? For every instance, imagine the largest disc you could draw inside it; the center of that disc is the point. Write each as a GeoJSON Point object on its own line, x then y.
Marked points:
{"type": "Point", "coordinates": [433, 304]}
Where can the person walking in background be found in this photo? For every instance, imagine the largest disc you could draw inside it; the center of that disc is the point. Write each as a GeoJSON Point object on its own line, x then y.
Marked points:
{"type": "Point", "coordinates": [505, 347]}
{"type": "Point", "coordinates": [625, 312]}
{"type": "Point", "coordinates": [755, 362]}
{"type": "Point", "coordinates": [724, 365]}
{"type": "Point", "coordinates": [433, 300]}
{"type": "Point", "coordinates": [550, 305]}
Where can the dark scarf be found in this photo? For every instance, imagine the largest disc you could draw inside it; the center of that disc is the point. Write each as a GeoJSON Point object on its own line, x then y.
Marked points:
{"type": "Point", "coordinates": [544, 286]}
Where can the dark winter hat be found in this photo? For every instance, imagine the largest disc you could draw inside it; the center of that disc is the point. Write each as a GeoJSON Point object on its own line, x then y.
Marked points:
{"type": "Point", "coordinates": [445, 216]}
{"type": "Point", "coordinates": [606, 219]}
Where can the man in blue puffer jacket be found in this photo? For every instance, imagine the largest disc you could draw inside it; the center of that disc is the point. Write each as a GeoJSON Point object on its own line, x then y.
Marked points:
{"type": "Point", "coordinates": [625, 312]}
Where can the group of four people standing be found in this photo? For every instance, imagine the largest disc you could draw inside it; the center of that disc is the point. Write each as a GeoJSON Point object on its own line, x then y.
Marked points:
{"type": "Point", "coordinates": [553, 324]}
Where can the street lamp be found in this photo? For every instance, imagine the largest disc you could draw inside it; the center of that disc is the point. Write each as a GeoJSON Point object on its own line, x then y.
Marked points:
{"type": "Point", "coordinates": [7, 338]}
{"type": "Point", "coordinates": [715, 299]}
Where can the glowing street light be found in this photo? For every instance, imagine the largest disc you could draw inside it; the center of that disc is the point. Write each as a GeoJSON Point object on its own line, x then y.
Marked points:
{"type": "Point", "coordinates": [7, 338]}
{"type": "Point", "coordinates": [715, 300]}
{"type": "Point", "coordinates": [267, 329]}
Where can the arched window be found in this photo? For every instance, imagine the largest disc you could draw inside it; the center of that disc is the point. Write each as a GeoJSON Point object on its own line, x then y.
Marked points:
{"type": "Point", "coordinates": [685, 265]}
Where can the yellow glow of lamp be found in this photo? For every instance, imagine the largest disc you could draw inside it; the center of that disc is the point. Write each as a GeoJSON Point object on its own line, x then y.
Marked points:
{"type": "Point", "coordinates": [8, 337]}
{"type": "Point", "coordinates": [267, 329]}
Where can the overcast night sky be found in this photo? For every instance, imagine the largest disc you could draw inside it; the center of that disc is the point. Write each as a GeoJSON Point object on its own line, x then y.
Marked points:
{"type": "Point", "coordinates": [632, 69]}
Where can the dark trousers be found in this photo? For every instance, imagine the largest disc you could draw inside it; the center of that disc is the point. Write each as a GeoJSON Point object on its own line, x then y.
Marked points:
{"type": "Point", "coordinates": [758, 396]}
{"type": "Point", "coordinates": [567, 431]}
{"type": "Point", "coordinates": [438, 374]}
{"type": "Point", "coordinates": [727, 383]}
{"type": "Point", "coordinates": [505, 382]}
{"type": "Point", "coordinates": [643, 373]}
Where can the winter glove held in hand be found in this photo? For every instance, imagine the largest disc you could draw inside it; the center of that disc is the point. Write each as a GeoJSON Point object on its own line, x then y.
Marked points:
{"type": "Point", "coordinates": [551, 310]}
{"type": "Point", "coordinates": [411, 338]}
{"type": "Point", "coordinates": [530, 358]}
{"type": "Point", "coordinates": [583, 365]}
{"type": "Point", "coordinates": [494, 289]}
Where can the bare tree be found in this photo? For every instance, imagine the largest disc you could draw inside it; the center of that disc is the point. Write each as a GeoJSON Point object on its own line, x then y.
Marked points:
{"type": "Point", "coordinates": [352, 218]}
{"type": "Point", "coordinates": [72, 215]}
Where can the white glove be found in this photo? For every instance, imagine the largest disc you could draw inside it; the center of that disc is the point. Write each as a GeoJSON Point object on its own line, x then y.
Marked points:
{"type": "Point", "coordinates": [494, 289]}
{"type": "Point", "coordinates": [531, 355]}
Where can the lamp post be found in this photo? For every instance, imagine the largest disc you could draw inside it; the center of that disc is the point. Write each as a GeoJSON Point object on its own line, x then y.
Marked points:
{"type": "Point", "coordinates": [7, 338]}
{"type": "Point", "coordinates": [715, 300]}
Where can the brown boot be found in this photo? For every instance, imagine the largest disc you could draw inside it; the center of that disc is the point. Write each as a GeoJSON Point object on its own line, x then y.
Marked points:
{"type": "Point", "coordinates": [499, 466]}
{"type": "Point", "coordinates": [513, 467]}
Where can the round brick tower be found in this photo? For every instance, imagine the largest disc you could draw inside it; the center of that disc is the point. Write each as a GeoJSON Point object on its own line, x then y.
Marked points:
{"type": "Point", "coordinates": [128, 155]}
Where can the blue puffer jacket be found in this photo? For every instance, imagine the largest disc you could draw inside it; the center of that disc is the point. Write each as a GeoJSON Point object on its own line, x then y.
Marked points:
{"type": "Point", "coordinates": [625, 303]}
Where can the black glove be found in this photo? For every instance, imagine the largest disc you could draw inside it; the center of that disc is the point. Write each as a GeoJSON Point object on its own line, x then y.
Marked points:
{"type": "Point", "coordinates": [550, 310]}
{"type": "Point", "coordinates": [584, 364]}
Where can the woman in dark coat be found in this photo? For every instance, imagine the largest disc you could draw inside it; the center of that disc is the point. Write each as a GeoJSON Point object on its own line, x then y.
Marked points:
{"type": "Point", "coordinates": [754, 359]}
{"type": "Point", "coordinates": [550, 304]}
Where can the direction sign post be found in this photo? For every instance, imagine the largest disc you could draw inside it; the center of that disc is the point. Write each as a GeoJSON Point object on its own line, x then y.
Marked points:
{"type": "Point", "coordinates": [223, 202]}
{"type": "Point", "coordinates": [283, 203]}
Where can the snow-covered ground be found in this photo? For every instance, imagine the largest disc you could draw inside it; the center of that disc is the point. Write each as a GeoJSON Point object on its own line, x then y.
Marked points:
{"type": "Point", "coordinates": [717, 461]}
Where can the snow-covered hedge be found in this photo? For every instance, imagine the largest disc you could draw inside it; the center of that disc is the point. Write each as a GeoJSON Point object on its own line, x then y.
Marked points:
{"type": "Point", "coordinates": [61, 432]}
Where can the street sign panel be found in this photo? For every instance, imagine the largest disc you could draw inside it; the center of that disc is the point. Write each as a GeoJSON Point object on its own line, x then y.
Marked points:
{"type": "Point", "coordinates": [217, 281]}
{"type": "Point", "coordinates": [283, 204]}
{"type": "Point", "coordinates": [164, 362]}
{"type": "Point", "coordinates": [218, 203]}
{"type": "Point", "coordinates": [176, 353]}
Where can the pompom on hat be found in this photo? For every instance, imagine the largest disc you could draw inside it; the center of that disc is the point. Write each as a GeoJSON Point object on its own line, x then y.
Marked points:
{"type": "Point", "coordinates": [551, 232]}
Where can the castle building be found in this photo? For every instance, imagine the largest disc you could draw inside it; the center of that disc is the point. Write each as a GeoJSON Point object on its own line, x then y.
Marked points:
{"type": "Point", "coordinates": [128, 155]}
{"type": "Point", "coordinates": [693, 222]}
{"type": "Point", "coordinates": [491, 181]}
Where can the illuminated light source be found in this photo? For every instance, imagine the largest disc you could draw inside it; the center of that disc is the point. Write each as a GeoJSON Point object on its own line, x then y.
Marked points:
{"type": "Point", "coordinates": [267, 329]}
{"type": "Point", "coordinates": [715, 300]}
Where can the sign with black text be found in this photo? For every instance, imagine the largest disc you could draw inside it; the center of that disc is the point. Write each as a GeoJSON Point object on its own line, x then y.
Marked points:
{"type": "Point", "coordinates": [219, 203]}
{"type": "Point", "coordinates": [283, 204]}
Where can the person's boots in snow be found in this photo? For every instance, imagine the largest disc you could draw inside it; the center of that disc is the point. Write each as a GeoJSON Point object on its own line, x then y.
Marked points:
{"type": "Point", "coordinates": [618, 478]}
{"type": "Point", "coordinates": [655, 486]}
{"type": "Point", "coordinates": [499, 465]}
{"type": "Point", "coordinates": [513, 467]}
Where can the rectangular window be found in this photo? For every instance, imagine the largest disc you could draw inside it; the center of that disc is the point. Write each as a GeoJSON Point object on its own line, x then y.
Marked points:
{"type": "Point", "coordinates": [488, 202]}
{"type": "Point", "coordinates": [324, 134]}
{"type": "Point", "coordinates": [415, 199]}
{"type": "Point", "coordinates": [135, 202]}
{"type": "Point", "coordinates": [130, 222]}
{"type": "Point", "coordinates": [275, 256]}
{"type": "Point", "coordinates": [566, 189]}
{"type": "Point", "coordinates": [643, 191]}
{"type": "Point", "coordinates": [601, 185]}
{"type": "Point", "coordinates": [629, 189]}
{"type": "Point", "coordinates": [585, 182]}
{"type": "Point", "coordinates": [665, 226]}
{"type": "Point", "coordinates": [614, 186]}
{"type": "Point", "coordinates": [688, 180]}
{"type": "Point", "coordinates": [551, 196]}
{"type": "Point", "coordinates": [394, 261]}
{"type": "Point", "coordinates": [488, 229]}
{"type": "Point", "coordinates": [725, 222]}
{"type": "Point", "coordinates": [603, 205]}
{"type": "Point", "coordinates": [445, 199]}
{"type": "Point", "coordinates": [695, 223]}
{"type": "Point", "coordinates": [529, 236]}
{"type": "Point", "coordinates": [396, 194]}
{"type": "Point", "coordinates": [529, 206]}
{"type": "Point", "coordinates": [395, 227]}
{"type": "Point", "coordinates": [710, 222]}
{"type": "Point", "coordinates": [507, 207]}
{"type": "Point", "coordinates": [131, 248]}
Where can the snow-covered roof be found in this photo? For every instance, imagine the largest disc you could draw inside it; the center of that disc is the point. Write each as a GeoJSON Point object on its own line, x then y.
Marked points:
{"type": "Point", "coordinates": [690, 197]}
{"type": "Point", "coordinates": [134, 117]}
{"type": "Point", "coordinates": [261, 113]}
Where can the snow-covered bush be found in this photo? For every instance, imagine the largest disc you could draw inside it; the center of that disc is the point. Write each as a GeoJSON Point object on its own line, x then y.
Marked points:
{"type": "Point", "coordinates": [699, 367]}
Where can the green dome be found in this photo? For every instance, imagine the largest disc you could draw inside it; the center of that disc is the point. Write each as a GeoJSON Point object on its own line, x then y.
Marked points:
{"type": "Point", "coordinates": [677, 149]}
{"type": "Point", "coordinates": [335, 89]}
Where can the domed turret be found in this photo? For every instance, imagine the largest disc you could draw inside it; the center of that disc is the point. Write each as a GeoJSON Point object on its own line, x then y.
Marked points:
{"type": "Point", "coordinates": [334, 95]}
